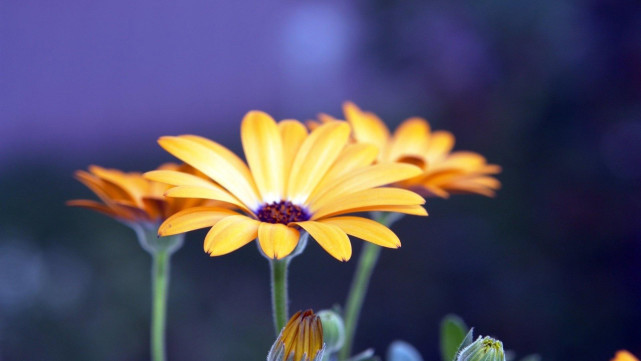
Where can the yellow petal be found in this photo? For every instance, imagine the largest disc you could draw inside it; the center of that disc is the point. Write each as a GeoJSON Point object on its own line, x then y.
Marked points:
{"type": "Point", "coordinates": [216, 162]}
{"type": "Point", "coordinates": [93, 205]}
{"type": "Point", "coordinates": [367, 127]}
{"type": "Point", "coordinates": [410, 138]}
{"type": "Point", "coordinates": [317, 153]}
{"type": "Point", "coordinates": [440, 144]}
{"type": "Point", "coordinates": [412, 210]}
{"type": "Point", "coordinates": [292, 133]}
{"type": "Point", "coordinates": [363, 178]}
{"type": "Point", "coordinates": [229, 234]}
{"type": "Point", "coordinates": [193, 218]}
{"type": "Point", "coordinates": [624, 356]}
{"type": "Point", "coordinates": [107, 192]}
{"type": "Point", "coordinates": [330, 237]}
{"type": "Point", "coordinates": [366, 229]}
{"type": "Point", "coordinates": [209, 192]}
{"type": "Point", "coordinates": [277, 240]}
{"type": "Point", "coordinates": [264, 152]}
{"type": "Point", "coordinates": [129, 185]}
{"type": "Point", "coordinates": [176, 178]}
{"type": "Point", "coordinates": [352, 157]}
{"type": "Point", "coordinates": [369, 198]}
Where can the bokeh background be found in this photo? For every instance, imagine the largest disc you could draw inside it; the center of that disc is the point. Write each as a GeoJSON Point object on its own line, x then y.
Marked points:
{"type": "Point", "coordinates": [549, 89]}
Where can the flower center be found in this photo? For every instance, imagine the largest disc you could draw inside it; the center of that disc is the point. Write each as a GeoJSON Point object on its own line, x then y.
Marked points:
{"type": "Point", "coordinates": [282, 212]}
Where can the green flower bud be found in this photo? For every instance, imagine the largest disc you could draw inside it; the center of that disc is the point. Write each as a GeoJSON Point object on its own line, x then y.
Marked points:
{"type": "Point", "coordinates": [483, 349]}
{"type": "Point", "coordinates": [333, 330]}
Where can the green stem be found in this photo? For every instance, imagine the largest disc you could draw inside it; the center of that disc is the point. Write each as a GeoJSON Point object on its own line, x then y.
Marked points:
{"type": "Point", "coordinates": [366, 262]}
{"type": "Point", "coordinates": [160, 285]}
{"type": "Point", "coordinates": [364, 269]}
{"type": "Point", "coordinates": [279, 292]}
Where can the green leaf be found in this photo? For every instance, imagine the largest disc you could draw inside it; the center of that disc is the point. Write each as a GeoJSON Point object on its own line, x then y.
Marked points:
{"type": "Point", "coordinates": [453, 331]}
{"type": "Point", "coordinates": [532, 357]}
{"type": "Point", "coordinates": [402, 351]}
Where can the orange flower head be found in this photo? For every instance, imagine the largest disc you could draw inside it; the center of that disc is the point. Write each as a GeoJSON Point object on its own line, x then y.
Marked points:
{"type": "Point", "coordinates": [300, 340]}
{"type": "Point", "coordinates": [292, 180]}
{"type": "Point", "coordinates": [624, 355]}
{"type": "Point", "coordinates": [443, 172]}
{"type": "Point", "coordinates": [129, 197]}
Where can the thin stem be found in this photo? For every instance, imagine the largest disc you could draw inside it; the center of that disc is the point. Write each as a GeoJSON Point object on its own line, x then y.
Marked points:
{"type": "Point", "coordinates": [364, 269]}
{"type": "Point", "coordinates": [160, 285]}
{"type": "Point", "coordinates": [279, 292]}
{"type": "Point", "coordinates": [366, 262]}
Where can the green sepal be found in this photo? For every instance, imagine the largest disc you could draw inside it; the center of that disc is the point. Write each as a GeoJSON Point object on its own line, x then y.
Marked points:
{"type": "Point", "coordinates": [469, 338]}
{"type": "Point", "coordinates": [453, 331]}
{"type": "Point", "coordinates": [402, 351]}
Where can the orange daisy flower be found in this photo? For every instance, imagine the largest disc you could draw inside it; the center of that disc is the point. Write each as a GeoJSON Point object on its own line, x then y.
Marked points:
{"type": "Point", "coordinates": [444, 172]}
{"type": "Point", "coordinates": [293, 180]}
{"type": "Point", "coordinates": [624, 355]}
{"type": "Point", "coordinates": [130, 197]}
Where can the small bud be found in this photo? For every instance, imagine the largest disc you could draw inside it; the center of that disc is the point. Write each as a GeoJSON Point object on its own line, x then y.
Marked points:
{"type": "Point", "coordinates": [300, 340]}
{"type": "Point", "coordinates": [483, 349]}
{"type": "Point", "coordinates": [333, 330]}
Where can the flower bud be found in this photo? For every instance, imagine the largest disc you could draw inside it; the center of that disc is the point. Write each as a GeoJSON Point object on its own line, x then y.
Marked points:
{"type": "Point", "coordinates": [300, 340]}
{"type": "Point", "coordinates": [483, 349]}
{"type": "Point", "coordinates": [333, 330]}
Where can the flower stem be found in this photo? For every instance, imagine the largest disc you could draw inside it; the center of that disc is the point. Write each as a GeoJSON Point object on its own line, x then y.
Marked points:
{"type": "Point", "coordinates": [161, 249]}
{"type": "Point", "coordinates": [364, 269]}
{"type": "Point", "coordinates": [279, 292]}
{"type": "Point", "coordinates": [160, 283]}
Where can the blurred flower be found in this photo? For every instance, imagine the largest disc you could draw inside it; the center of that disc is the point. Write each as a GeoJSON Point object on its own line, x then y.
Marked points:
{"type": "Point", "coordinates": [444, 172]}
{"type": "Point", "coordinates": [294, 179]}
{"type": "Point", "coordinates": [624, 356]}
{"type": "Point", "coordinates": [300, 340]}
{"type": "Point", "coordinates": [129, 197]}
{"type": "Point", "coordinates": [483, 349]}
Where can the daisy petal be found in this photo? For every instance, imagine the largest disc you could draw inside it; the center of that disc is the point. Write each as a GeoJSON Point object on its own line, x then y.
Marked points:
{"type": "Point", "coordinates": [277, 240]}
{"type": "Point", "coordinates": [330, 237]}
{"type": "Point", "coordinates": [363, 178]}
{"type": "Point", "coordinates": [354, 156]}
{"type": "Point", "coordinates": [193, 218]}
{"type": "Point", "coordinates": [440, 144]}
{"type": "Point", "coordinates": [93, 205]}
{"type": "Point", "coordinates": [410, 138]}
{"type": "Point", "coordinates": [229, 234]}
{"type": "Point", "coordinates": [216, 162]}
{"type": "Point", "coordinates": [317, 153]}
{"type": "Point", "coordinates": [176, 178]}
{"type": "Point", "coordinates": [264, 151]}
{"type": "Point", "coordinates": [366, 229]}
{"type": "Point", "coordinates": [209, 192]}
{"type": "Point", "coordinates": [367, 127]}
{"type": "Point", "coordinates": [412, 210]}
{"type": "Point", "coordinates": [369, 198]}
{"type": "Point", "coordinates": [293, 133]}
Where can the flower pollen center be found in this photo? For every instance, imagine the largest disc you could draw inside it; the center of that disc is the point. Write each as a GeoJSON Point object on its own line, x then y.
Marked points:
{"type": "Point", "coordinates": [283, 212]}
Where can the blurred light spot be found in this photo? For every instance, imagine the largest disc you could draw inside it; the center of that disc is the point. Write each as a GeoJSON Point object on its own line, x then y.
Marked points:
{"type": "Point", "coordinates": [315, 35]}
{"type": "Point", "coordinates": [68, 279]}
{"type": "Point", "coordinates": [621, 149]}
{"type": "Point", "coordinates": [21, 275]}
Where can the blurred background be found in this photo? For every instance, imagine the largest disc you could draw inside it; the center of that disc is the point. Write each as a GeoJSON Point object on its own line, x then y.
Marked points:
{"type": "Point", "coordinates": [549, 89]}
